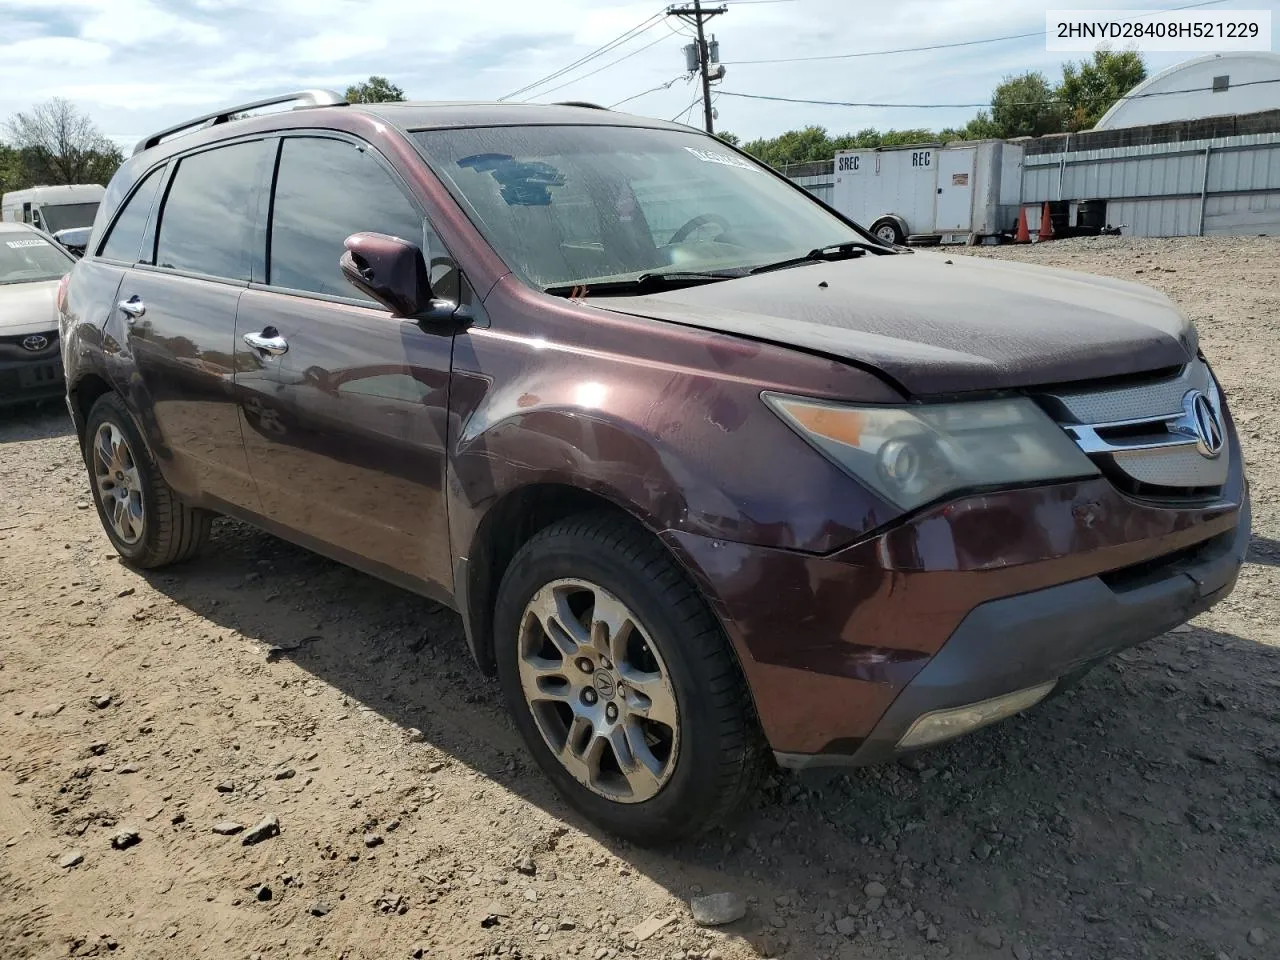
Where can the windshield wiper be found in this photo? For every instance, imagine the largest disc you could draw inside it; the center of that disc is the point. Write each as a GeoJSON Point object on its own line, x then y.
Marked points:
{"type": "Point", "coordinates": [836, 251]}
{"type": "Point", "coordinates": [646, 282]}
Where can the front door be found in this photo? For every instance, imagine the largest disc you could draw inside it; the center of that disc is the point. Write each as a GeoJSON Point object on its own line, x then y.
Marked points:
{"type": "Point", "coordinates": [344, 407]}
{"type": "Point", "coordinates": [955, 190]}
{"type": "Point", "coordinates": [180, 312]}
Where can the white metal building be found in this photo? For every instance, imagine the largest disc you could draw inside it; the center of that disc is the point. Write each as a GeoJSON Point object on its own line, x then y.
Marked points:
{"type": "Point", "coordinates": [1212, 86]}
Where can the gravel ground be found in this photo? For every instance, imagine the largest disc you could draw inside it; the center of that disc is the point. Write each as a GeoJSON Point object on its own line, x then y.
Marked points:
{"type": "Point", "coordinates": [150, 723]}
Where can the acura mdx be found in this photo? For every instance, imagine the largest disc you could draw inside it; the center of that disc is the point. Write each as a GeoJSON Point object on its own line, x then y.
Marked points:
{"type": "Point", "coordinates": [710, 473]}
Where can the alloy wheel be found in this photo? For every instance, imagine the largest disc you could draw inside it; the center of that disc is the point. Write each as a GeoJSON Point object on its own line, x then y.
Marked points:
{"type": "Point", "coordinates": [115, 473]}
{"type": "Point", "coordinates": [598, 690]}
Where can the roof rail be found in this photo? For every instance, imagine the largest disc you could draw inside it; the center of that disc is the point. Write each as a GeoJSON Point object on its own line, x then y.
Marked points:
{"type": "Point", "coordinates": [579, 103]}
{"type": "Point", "coordinates": [305, 98]}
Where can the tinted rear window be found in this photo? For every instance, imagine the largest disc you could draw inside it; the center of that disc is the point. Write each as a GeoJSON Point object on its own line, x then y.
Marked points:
{"type": "Point", "coordinates": [125, 239]}
{"type": "Point", "coordinates": [207, 224]}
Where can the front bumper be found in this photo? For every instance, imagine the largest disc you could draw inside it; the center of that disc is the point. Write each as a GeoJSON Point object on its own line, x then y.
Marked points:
{"type": "Point", "coordinates": [966, 601]}
{"type": "Point", "coordinates": [39, 378]}
{"type": "Point", "coordinates": [1046, 636]}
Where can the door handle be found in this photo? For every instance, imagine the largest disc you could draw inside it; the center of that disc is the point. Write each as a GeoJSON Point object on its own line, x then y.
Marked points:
{"type": "Point", "coordinates": [268, 341]}
{"type": "Point", "coordinates": [133, 308]}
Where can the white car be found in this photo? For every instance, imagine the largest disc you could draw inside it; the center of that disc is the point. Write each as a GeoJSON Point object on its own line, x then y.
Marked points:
{"type": "Point", "coordinates": [31, 265]}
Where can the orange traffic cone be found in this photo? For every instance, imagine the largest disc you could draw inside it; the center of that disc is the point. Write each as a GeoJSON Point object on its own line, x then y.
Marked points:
{"type": "Point", "coordinates": [1046, 225]}
{"type": "Point", "coordinates": [1023, 235]}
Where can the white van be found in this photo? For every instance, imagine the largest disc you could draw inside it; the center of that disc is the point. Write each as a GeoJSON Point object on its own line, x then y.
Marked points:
{"type": "Point", "coordinates": [53, 208]}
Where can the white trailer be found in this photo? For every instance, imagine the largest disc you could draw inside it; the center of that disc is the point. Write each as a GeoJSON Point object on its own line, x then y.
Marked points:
{"type": "Point", "coordinates": [53, 208]}
{"type": "Point", "coordinates": [961, 192]}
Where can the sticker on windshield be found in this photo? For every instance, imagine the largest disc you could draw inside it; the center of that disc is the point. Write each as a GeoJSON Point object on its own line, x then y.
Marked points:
{"type": "Point", "coordinates": [724, 159]}
{"type": "Point", "coordinates": [16, 244]}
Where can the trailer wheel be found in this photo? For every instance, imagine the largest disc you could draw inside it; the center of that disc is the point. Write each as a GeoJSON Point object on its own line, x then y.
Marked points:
{"type": "Point", "coordinates": [890, 230]}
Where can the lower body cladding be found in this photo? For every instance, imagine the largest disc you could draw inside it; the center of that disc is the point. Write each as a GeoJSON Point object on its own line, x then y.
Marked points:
{"type": "Point", "coordinates": [30, 377]}
{"type": "Point", "coordinates": [965, 614]}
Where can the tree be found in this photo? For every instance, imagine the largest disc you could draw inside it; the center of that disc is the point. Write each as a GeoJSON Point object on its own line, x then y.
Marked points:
{"type": "Point", "coordinates": [11, 173]}
{"type": "Point", "coordinates": [730, 138]}
{"type": "Point", "coordinates": [899, 138]}
{"type": "Point", "coordinates": [794, 146]}
{"type": "Point", "coordinates": [981, 127]}
{"type": "Point", "coordinates": [374, 90]}
{"type": "Point", "coordinates": [57, 144]}
{"type": "Point", "coordinates": [1089, 88]}
{"type": "Point", "coordinates": [1025, 106]}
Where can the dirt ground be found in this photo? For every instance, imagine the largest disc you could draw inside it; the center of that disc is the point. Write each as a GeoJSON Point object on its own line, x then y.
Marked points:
{"type": "Point", "coordinates": [1137, 816]}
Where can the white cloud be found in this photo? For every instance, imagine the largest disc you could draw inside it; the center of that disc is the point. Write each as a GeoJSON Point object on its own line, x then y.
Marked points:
{"type": "Point", "coordinates": [42, 53]}
{"type": "Point", "coordinates": [333, 47]}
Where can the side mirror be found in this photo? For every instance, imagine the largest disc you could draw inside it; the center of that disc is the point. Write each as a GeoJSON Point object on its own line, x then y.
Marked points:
{"type": "Point", "coordinates": [391, 271]}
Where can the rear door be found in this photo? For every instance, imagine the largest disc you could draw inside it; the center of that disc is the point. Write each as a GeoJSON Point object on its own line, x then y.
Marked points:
{"type": "Point", "coordinates": [345, 418]}
{"type": "Point", "coordinates": [95, 279]}
{"type": "Point", "coordinates": [955, 189]}
{"type": "Point", "coordinates": [180, 307]}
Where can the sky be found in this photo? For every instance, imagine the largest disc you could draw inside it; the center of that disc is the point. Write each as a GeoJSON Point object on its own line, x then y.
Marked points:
{"type": "Point", "coordinates": [136, 66]}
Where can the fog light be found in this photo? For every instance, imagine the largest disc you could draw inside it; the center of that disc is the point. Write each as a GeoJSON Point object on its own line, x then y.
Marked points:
{"type": "Point", "coordinates": [944, 724]}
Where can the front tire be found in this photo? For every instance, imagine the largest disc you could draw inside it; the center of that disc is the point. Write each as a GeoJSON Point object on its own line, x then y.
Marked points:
{"type": "Point", "coordinates": [145, 520]}
{"type": "Point", "coordinates": [622, 683]}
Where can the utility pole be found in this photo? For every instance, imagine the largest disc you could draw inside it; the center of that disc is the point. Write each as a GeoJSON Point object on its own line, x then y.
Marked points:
{"type": "Point", "coordinates": [697, 16]}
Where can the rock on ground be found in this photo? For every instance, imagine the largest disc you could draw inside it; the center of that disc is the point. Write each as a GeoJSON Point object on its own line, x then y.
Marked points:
{"type": "Point", "coordinates": [716, 909]}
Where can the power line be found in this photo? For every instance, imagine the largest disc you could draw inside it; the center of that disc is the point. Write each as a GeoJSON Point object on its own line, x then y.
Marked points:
{"type": "Point", "coordinates": [685, 112]}
{"type": "Point", "coordinates": [569, 83]}
{"type": "Point", "coordinates": [947, 106]}
{"type": "Point", "coordinates": [929, 47]}
{"type": "Point", "coordinates": [886, 53]}
{"type": "Point", "coordinates": [645, 93]}
{"type": "Point", "coordinates": [642, 27]}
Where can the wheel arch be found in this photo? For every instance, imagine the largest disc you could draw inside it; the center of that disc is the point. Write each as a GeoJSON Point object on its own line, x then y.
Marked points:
{"type": "Point", "coordinates": [896, 221]}
{"type": "Point", "coordinates": [82, 395]}
{"type": "Point", "coordinates": [506, 526]}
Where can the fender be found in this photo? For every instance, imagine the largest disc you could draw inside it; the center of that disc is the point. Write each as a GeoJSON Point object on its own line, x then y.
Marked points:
{"type": "Point", "coordinates": [661, 420]}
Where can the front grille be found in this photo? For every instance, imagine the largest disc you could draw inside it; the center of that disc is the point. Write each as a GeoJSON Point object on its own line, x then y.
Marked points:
{"type": "Point", "coordinates": [11, 347]}
{"type": "Point", "coordinates": [1151, 571]}
{"type": "Point", "coordinates": [1135, 402]}
{"type": "Point", "coordinates": [1151, 439]}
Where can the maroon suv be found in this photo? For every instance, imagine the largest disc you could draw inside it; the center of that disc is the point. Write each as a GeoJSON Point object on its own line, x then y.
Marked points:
{"type": "Point", "coordinates": [703, 466]}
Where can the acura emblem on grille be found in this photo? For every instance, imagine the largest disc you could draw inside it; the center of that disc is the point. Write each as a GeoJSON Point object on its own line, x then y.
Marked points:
{"type": "Point", "coordinates": [35, 342]}
{"type": "Point", "coordinates": [1206, 423]}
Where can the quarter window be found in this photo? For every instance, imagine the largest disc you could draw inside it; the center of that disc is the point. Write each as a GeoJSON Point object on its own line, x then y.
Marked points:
{"type": "Point", "coordinates": [325, 191]}
{"type": "Point", "coordinates": [125, 239]}
{"type": "Point", "coordinates": [208, 222]}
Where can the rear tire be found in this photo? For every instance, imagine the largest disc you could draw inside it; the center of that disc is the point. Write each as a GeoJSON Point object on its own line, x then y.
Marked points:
{"type": "Point", "coordinates": [560, 601]}
{"type": "Point", "coordinates": [145, 520]}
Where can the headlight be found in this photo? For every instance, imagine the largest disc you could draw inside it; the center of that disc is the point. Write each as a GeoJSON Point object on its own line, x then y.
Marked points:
{"type": "Point", "coordinates": [912, 455]}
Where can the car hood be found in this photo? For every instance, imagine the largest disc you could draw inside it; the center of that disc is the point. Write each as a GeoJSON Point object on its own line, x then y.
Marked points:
{"type": "Point", "coordinates": [937, 324]}
{"type": "Point", "coordinates": [28, 307]}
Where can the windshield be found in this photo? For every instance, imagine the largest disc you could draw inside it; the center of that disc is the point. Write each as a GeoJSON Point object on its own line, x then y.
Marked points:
{"type": "Point", "coordinates": [64, 215]}
{"type": "Point", "coordinates": [568, 205]}
{"type": "Point", "coordinates": [27, 258]}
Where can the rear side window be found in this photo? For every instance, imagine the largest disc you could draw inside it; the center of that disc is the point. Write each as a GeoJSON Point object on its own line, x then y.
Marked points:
{"type": "Point", "coordinates": [327, 190]}
{"type": "Point", "coordinates": [125, 239]}
{"type": "Point", "coordinates": [208, 222]}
